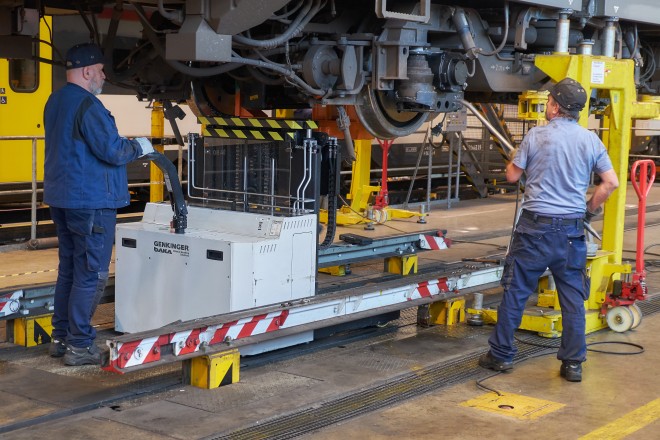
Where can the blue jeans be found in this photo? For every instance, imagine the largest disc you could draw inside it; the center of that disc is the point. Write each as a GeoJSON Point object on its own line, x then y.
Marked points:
{"type": "Point", "coordinates": [85, 248]}
{"type": "Point", "coordinates": [561, 247]}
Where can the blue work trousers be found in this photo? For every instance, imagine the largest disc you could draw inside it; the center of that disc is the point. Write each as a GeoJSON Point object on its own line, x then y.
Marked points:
{"type": "Point", "coordinates": [85, 248]}
{"type": "Point", "coordinates": [557, 244]}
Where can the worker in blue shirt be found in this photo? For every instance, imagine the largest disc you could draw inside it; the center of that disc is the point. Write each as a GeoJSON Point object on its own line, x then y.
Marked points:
{"type": "Point", "coordinates": [84, 183]}
{"type": "Point", "coordinates": [557, 160]}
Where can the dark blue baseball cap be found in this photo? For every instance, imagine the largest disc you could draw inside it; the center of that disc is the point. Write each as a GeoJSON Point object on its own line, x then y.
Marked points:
{"type": "Point", "coordinates": [83, 55]}
{"type": "Point", "coordinates": [569, 94]}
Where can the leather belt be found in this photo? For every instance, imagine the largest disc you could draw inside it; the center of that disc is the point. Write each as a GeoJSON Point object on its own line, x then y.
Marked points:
{"type": "Point", "coordinates": [549, 220]}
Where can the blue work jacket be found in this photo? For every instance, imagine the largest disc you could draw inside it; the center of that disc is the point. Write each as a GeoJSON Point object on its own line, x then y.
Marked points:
{"type": "Point", "coordinates": [85, 164]}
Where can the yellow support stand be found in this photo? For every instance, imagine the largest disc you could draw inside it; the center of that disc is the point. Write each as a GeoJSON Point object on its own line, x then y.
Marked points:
{"type": "Point", "coordinates": [30, 331]}
{"type": "Point", "coordinates": [531, 105]}
{"type": "Point", "coordinates": [361, 192]}
{"type": "Point", "coordinates": [212, 371]}
{"type": "Point", "coordinates": [361, 189]}
{"type": "Point", "coordinates": [403, 265]}
{"type": "Point", "coordinates": [447, 312]}
{"type": "Point", "coordinates": [547, 296]}
{"type": "Point", "coordinates": [337, 271]}
{"type": "Point", "coordinates": [157, 133]}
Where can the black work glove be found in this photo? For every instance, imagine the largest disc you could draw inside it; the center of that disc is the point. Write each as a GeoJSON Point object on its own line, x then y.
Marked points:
{"type": "Point", "coordinates": [588, 215]}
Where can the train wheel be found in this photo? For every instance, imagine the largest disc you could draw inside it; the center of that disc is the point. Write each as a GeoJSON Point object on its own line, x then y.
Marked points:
{"type": "Point", "coordinates": [378, 114]}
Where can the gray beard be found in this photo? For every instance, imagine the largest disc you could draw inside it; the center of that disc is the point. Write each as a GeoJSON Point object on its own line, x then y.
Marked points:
{"type": "Point", "coordinates": [98, 90]}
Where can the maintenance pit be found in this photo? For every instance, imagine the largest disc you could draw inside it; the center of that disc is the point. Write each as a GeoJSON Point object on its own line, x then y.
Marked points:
{"type": "Point", "coordinates": [386, 381]}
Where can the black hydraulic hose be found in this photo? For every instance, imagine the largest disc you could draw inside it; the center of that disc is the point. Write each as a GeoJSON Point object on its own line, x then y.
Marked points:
{"type": "Point", "coordinates": [179, 220]}
{"type": "Point", "coordinates": [506, 33]}
{"type": "Point", "coordinates": [333, 166]}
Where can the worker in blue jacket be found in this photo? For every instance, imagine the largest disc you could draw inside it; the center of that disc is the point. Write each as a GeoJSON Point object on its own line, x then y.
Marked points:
{"type": "Point", "coordinates": [84, 183]}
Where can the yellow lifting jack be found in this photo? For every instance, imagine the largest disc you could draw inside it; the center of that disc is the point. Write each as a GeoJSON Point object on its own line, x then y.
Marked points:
{"type": "Point", "coordinates": [361, 192]}
{"type": "Point", "coordinates": [614, 79]}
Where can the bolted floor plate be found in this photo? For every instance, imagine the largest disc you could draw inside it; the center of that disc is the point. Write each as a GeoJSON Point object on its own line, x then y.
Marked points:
{"type": "Point", "coordinates": [514, 405]}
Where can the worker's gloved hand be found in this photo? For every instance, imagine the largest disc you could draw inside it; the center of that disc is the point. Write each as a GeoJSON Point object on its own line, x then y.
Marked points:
{"type": "Point", "coordinates": [145, 146]}
{"type": "Point", "coordinates": [588, 215]}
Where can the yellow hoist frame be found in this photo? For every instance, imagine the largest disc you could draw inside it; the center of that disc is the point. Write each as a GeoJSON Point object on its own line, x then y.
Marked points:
{"type": "Point", "coordinates": [613, 79]}
{"type": "Point", "coordinates": [156, 179]}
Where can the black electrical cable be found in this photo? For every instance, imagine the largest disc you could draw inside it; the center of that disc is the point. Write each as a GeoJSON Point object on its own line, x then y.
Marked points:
{"type": "Point", "coordinates": [498, 246]}
{"type": "Point", "coordinates": [553, 351]}
{"type": "Point", "coordinates": [332, 197]}
{"type": "Point", "coordinates": [302, 19]}
{"type": "Point", "coordinates": [619, 353]}
{"type": "Point", "coordinates": [506, 35]}
{"type": "Point", "coordinates": [378, 223]}
{"type": "Point", "coordinates": [484, 387]}
{"type": "Point", "coordinates": [535, 344]}
{"type": "Point", "coordinates": [288, 13]}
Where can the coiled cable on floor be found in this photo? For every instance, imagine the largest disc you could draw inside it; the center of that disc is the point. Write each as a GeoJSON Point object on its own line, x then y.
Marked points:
{"type": "Point", "coordinates": [631, 344]}
{"type": "Point", "coordinates": [552, 349]}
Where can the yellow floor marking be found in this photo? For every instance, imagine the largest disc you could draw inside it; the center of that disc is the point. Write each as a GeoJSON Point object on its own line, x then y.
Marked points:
{"type": "Point", "coordinates": [514, 405]}
{"type": "Point", "coordinates": [27, 273]}
{"type": "Point", "coordinates": [627, 424]}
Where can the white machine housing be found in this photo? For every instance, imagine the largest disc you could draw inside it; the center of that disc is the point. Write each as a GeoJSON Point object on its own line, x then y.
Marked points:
{"type": "Point", "coordinates": [225, 262]}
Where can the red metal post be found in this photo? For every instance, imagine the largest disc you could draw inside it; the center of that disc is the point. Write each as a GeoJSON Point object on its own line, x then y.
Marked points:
{"type": "Point", "coordinates": [382, 199]}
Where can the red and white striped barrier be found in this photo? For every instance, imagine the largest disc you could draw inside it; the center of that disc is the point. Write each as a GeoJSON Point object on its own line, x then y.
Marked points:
{"type": "Point", "coordinates": [430, 288]}
{"type": "Point", "coordinates": [431, 242]}
{"type": "Point", "coordinates": [131, 354]}
{"type": "Point", "coordinates": [312, 312]}
{"type": "Point", "coordinates": [9, 303]}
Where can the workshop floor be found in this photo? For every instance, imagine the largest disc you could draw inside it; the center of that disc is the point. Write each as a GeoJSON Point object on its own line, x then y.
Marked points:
{"type": "Point", "coordinates": [400, 382]}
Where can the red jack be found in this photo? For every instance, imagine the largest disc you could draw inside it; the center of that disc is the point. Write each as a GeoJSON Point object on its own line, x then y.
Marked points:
{"type": "Point", "coordinates": [382, 198]}
{"type": "Point", "coordinates": [621, 301]}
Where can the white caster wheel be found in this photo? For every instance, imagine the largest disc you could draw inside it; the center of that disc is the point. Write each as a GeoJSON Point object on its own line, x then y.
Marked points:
{"type": "Point", "coordinates": [637, 315]}
{"type": "Point", "coordinates": [620, 319]}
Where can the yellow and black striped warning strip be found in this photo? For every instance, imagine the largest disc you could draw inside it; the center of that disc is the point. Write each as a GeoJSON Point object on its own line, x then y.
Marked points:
{"type": "Point", "coordinates": [27, 273]}
{"type": "Point", "coordinates": [277, 124]}
{"type": "Point", "coordinates": [234, 133]}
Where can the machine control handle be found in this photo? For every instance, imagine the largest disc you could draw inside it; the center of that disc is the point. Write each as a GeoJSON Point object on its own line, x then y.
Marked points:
{"type": "Point", "coordinates": [642, 187]}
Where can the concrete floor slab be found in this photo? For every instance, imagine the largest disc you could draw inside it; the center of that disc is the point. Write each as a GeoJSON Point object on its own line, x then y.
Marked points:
{"type": "Point", "coordinates": [613, 386]}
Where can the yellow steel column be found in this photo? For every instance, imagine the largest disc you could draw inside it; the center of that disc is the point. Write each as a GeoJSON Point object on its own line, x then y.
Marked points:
{"type": "Point", "coordinates": [616, 77]}
{"type": "Point", "coordinates": [157, 134]}
{"type": "Point", "coordinates": [360, 179]}
{"type": "Point", "coordinates": [620, 130]}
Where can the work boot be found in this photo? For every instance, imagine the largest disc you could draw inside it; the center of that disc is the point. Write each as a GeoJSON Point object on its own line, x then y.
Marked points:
{"type": "Point", "coordinates": [571, 371]}
{"type": "Point", "coordinates": [57, 348]}
{"type": "Point", "coordinates": [488, 361]}
{"type": "Point", "coordinates": [82, 355]}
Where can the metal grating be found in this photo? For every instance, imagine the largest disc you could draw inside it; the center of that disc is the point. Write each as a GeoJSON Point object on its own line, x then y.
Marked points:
{"type": "Point", "coordinates": [394, 391]}
{"type": "Point", "coordinates": [650, 306]}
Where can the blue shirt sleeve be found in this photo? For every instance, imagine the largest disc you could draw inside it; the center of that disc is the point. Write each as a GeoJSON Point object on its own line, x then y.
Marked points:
{"type": "Point", "coordinates": [522, 153]}
{"type": "Point", "coordinates": [101, 135]}
{"type": "Point", "coordinates": [602, 160]}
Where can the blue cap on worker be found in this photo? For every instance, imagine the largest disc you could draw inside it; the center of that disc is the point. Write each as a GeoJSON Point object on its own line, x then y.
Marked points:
{"type": "Point", "coordinates": [83, 55]}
